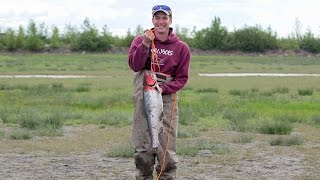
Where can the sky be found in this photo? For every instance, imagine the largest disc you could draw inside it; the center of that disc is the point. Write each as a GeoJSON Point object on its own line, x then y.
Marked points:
{"type": "Point", "coordinates": [120, 15]}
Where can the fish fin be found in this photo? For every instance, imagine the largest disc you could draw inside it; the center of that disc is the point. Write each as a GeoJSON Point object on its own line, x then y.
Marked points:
{"type": "Point", "coordinates": [157, 87]}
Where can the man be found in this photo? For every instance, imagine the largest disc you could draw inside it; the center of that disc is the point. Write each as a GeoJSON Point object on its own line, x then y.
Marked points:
{"type": "Point", "coordinates": [161, 51]}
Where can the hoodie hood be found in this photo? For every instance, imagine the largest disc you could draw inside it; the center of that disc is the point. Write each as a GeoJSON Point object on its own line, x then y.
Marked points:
{"type": "Point", "coordinates": [172, 37]}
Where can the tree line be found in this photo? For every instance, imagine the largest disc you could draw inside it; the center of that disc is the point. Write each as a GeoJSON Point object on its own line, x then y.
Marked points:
{"type": "Point", "coordinates": [38, 38]}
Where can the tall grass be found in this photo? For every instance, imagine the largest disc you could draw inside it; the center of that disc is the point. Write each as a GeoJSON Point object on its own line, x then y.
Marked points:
{"type": "Point", "coordinates": [121, 151]}
{"type": "Point", "coordinates": [275, 127]}
{"type": "Point", "coordinates": [255, 104]}
{"type": "Point", "coordinates": [305, 92]}
{"type": "Point", "coordinates": [192, 147]}
{"type": "Point", "coordinates": [239, 120]}
{"type": "Point", "coordinates": [288, 141]}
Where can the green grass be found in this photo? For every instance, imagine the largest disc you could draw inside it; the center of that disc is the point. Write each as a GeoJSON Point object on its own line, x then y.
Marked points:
{"type": "Point", "coordinates": [243, 139]}
{"type": "Point", "coordinates": [287, 141]}
{"type": "Point", "coordinates": [275, 127]}
{"type": "Point", "coordinates": [269, 105]}
{"type": "Point", "coordinates": [21, 135]}
{"type": "Point", "coordinates": [122, 150]}
{"type": "Point", "coordinates": [192, 147]}
{"type": "Point", "coordinates": [305, 92]}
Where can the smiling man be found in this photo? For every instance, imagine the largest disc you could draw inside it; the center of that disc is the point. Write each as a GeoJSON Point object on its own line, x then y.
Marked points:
{"type": "Point", "coordinates": [161, 51]}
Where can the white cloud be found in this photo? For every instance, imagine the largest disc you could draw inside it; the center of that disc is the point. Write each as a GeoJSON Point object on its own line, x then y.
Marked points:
{"type": "Point", "coordinates": [119, 15]}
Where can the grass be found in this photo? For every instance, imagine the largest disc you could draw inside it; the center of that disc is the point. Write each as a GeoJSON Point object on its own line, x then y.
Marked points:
{"type": "Point", "coordinates": [305, 92]}
{"type": "Point", "coordinates": [267, 105]}
{"type": "Point", "coordinates": [192, 147]}
{"type": "Point", "coordinates": [21, 135]}
{"type": "Point", "coordinates": [316, 120]}
{"type": "Point", "coordinates": [95, 114]}
{"type": "Point", "coordinates": [122, 150]}
{"type": "Point", "coordinates": [288, 141]}
{"type": "Point", "coordinates": [243, 139]}
{"type": "Point", "coordinates": [275, 127]}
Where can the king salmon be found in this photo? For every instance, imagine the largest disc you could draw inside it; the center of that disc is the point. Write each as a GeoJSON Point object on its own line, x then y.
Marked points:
{"type": "Point", "coordinates": [153, 105]}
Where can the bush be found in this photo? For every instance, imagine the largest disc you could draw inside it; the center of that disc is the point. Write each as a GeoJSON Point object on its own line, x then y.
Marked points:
{"type": "Point", "coordinates": [280, 90]}
{"type": "Point", "coordinates": [10, 40]}
{"type": "Point", "coordinates": [243, 139]}
{"type": "Point", "coordinates": [316, 119]}
{"type": "Point", "coordinates": [305, 92]}
{"type": "Point", "coordinates": [20, 135]}
{"type": "Point", "coordinates": [275, 127]}
{"type": "Point", "coordinates": [254, 39]}
{"type": "Point", "coordinates": [237, 92]}
{"type": "Point", "coordinates": [208, 90]}
{"type": "Point", "coordinates": [34, 41]}
{"type": "Point", "coordinates": [310, 43]}
{"type": "Point", "coordinates": [288, 43]}
{"type": "Point", "coordinates": [291, 141]}
{"type": "Point", "coordinates": [238, 120]}
{"type": "Point", "coordinates": [212, 37]}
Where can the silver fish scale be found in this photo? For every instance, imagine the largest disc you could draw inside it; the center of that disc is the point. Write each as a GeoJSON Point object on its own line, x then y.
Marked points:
{"type": "Point", "coordinates": [153, 106]}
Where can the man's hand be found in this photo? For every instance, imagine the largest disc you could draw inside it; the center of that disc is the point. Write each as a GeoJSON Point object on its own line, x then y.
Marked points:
{"type": "Point", "coordinates": [148, 36]}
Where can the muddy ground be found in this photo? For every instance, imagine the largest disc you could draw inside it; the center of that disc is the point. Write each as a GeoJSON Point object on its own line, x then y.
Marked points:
{"type": "Point", "coordinates": [81, 154]}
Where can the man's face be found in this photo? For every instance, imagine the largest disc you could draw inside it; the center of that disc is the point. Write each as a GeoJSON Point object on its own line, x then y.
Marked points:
{"type": "Point", "coordinates": [161, 21]}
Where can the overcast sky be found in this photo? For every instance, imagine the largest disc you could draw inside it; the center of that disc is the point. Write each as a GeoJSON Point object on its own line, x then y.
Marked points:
{"type": "Point", "coordinates": [119, 15]}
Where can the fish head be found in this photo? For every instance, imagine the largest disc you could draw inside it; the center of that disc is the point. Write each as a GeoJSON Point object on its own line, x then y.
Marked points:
{"type": "Point", "coordinates": [150, 81]}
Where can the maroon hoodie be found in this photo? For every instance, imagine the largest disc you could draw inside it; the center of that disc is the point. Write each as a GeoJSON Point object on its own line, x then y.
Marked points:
{"type": "Point", "coordinates": [173, 58]}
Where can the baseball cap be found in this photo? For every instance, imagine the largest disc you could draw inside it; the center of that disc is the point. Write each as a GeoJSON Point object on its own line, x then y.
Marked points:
{"type": "Point", "coordinates": [164, 8]}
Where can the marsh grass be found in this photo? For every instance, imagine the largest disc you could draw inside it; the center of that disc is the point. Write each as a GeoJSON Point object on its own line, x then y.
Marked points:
{"type": "Point", "coordinates": [280, 90]}
{"type": "Point", "coordinates": [187, 133]}
{"type": "Point", "coordinates": [83, 87]}
{"type": "Point", "coordinates": [207, 90]}
{"type": "Point", "coordinates": [287, 141]}
{"type": "Point", "coordinates": [118, 119]}
{"type": "Point", "coordinates": [238, 92]}
{"type": "Point", "coordinates": [204, 104]}
{"type": "Point", "coordinates": [275, 127]}
{"type": "Point", "coordinates": [266, 93]}
{"type": "Point", "coordinates": [1, 133]}
{"type": "Point", "coordinates": [21, 135]}
{"type": "Point", "coordinates": [239, 120]}
{"type": "Point", "coordinates": [192, 147]}
{"type": "Point", "coordinates": [121, 151]}
{"type": "Point", "coordinates": [243, 139]}
{"type": "Point", "coordinates": [305, 92]}
{"type": "Point", "coordinates": [316, 119]}
{"type": "Point", "coordinates": [291, 118]}
{"type": "Point", "coordinates": [190, 112]}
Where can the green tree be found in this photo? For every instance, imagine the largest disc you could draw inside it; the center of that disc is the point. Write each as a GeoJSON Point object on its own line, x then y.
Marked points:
{"type": "Point", "coordinates": [183, 34]}
{"type": "Point", "coordinates": [55, 40]}
{"type": "Point", "coordinates": [106, 40]}
{"type": "Point", "coordinates": [127, 40]}
{"type": "Point", "coordinates": [88, 39]}
{"type": "Point", "coordinates": [71, 36]}
{"type": "Point", "coordinates": [21, 38]}
{"type": "Point", "coordinates": [254, 39]}
{"type": "Point", "coordinates": [310, 43]}
{"type": "Point", "coordinates": [43, 32]}
{"type": "Point", "coordinates": [212, 37]}
{"type": "Point", "coordinates": [139, 30]}
{"type": "Point", "coordinates": [10, 40]}
{"type": "Point", "coordinates": [34, 41]}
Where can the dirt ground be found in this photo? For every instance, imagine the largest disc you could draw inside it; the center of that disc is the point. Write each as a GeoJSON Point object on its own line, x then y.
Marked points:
{"type": "Point", "coordinates": [81, 154]}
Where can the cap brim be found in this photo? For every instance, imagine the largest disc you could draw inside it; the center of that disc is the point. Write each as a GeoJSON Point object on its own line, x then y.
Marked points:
{"type": "Point", "coordinates": [161, 11]}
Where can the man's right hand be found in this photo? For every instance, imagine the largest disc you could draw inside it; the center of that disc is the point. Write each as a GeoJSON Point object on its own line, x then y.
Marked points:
{"type": "Point", "coordinates": [148, 36]}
